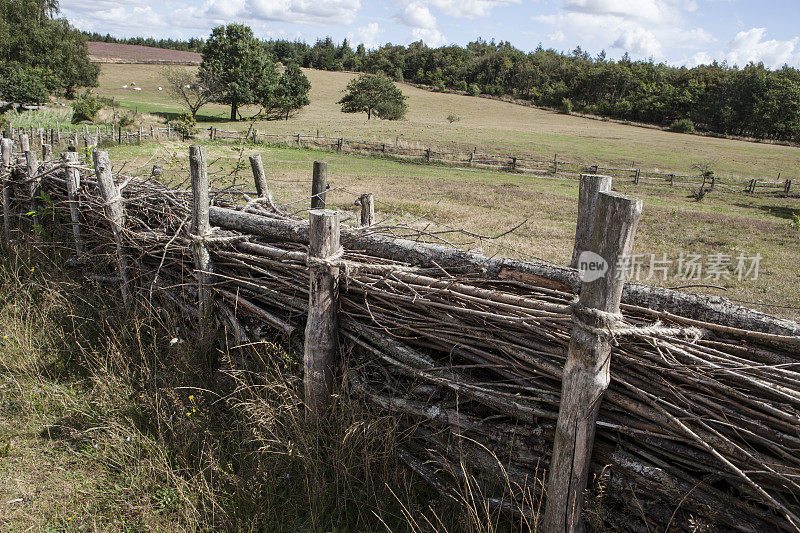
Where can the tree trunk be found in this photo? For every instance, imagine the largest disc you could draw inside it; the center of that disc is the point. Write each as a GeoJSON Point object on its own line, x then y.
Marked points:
{"type": "Point", "coordinates": [369, 113]}
{"type": "Point", "coordinates": [234, 110]}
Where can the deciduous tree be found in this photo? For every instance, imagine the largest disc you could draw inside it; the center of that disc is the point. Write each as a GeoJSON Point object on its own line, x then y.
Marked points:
{"type": "Point", "coordinates": [374, 94]}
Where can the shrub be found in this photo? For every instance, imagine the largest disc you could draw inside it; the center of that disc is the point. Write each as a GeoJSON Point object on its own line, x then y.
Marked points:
{"type": "Point", "coordinates": [184, 124]}
{"type": "Point", "coordinates": [453, 118]}
{"type": "Point", "coordinates": [85, 107]}
{"type": "Point", "coordinates": [23, 85]}
{"type": "Point", "coordinates": [566, 106]}
{"type": "Point", "coordinates": [461, 85]}
{"type": "Point", "coordinates": [474, 90]}
{"type": "Point", "coordinates": [125, 120]}
{"type": "Point", "coordinates": [682, 125]}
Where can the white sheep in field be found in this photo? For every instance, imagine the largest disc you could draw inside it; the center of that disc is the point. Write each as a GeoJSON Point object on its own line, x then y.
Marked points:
{"type": "Point", "coordinates": [160, 89]}
{"type": "Point", "coordinates": [133, 84]}
{"type": "Point", "coordinates": [124, 86]}
{"type": "Point", "coordinates": [137, 89]}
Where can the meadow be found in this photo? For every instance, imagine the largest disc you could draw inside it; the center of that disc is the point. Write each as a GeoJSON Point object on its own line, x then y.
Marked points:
{"type": "Point", "coordinates": [490, 126]}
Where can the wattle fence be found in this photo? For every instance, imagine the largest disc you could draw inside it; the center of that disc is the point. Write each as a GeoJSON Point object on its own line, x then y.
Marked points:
{"type": "Point", "coordinates": [497, 369]}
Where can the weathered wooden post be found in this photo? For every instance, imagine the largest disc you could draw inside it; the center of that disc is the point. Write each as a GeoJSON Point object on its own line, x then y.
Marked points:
{"type": "Point", "coordinates": [555, 164]}
{"type": "Point", "coordinates": [6, 152]}
{"type": "Point", "coordinates": [637, 176]}
{"type": "Point", "coordinates": [367, 201]}
{"type": "Point", "coordinates": [339, 144]}
{"type": "Point", "coordinates": [32, 167]}
{"type": "Point", "coordinates": [47, 152]}
{"type": "Point", "coordinates": [427, 155]}
{"type": "Point", "coordinates": [200, 229]}
{"type": "Point", "coordinates": [587, 369]}
{"type": "Point", "coordinates": [298, 140]}
{"type": "Point", "coordinates": [139, 135]}
{"type": "Point", "coordinates": [260, 179]}
{"type": "Point", "coordinates": [383, 148]}
{"type": "Point", "coordinates": [169, 132]}
{"type": "Point", "coordinates": [787, 186]}
{"type": "Point", "coordinates": [513, 164]}
{"type": "Point", "coordinates": [672, 180]}
{"type": "Point", "coordinates": [24, 143]}
{"type": "Point", "coordinates": [471, 157]}
{"type": "Point", "coordinates": [713, 181]}
{"type": "Point", "coordinates": [152, 132]}
{"type": "Point", "coordinates": [73, 178]}
{"type": "Point", "coordinates": [319, 185]}
{"type": "Point", "coordinates": [588, 189]}
{"type": "Point", "coordinates": [322, 335]}
{"type": "Point", "coordinates": [115, 212]}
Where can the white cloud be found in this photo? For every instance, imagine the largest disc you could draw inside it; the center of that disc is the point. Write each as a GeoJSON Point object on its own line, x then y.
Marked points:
{"type": "Point", "coordinates": [644, 28]}
{"type": "Point", "coordinates": [368, 35]}
{"type": "Point", "coordinates": [470, 8]}
{"type": "Point", "coordinates": [432, 37]}
{"type": "Point", "coordinates": [638, 41]}
{"type": "Point", "coordinates": [305, 11]}
{"type": "Point", "coordinates": [750, 46]}
{"type": "Point", "coordinates": [417, 15]}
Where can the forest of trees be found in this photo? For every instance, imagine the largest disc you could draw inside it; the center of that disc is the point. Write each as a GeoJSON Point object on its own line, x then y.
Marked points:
{"type": "Point", "coordinates": [751, 101]}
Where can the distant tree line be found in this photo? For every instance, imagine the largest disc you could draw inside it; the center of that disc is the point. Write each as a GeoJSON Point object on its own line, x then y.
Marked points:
{"type": "Point", "coordinates": [751, 101]}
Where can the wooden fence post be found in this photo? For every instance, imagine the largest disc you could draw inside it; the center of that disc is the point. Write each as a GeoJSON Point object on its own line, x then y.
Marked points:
{"type": "Point", "coordinates": [555, 164]}
{"type": "Point", "coordinates": [47, 152]}
{"type": "Point", "coordinates": [322, 336]}
{"type": "Point", "coordinates": [367, 201]}
{"type": "Point", "coordinates": [32, 167]}
{"type": "Point", "coordinates": [471, 157]}
{"type": "Point", "coordinates": [588, 189]}
{"type": "Point", "coordinates": [73, 178]}
{"type": "Point", "coordinates": [260, 179]}
{"type": "Point", "coordinates": [787, 186]}
{"type": "Point", "coordinates": [513, 164]}
{"type": "Point", "coordinates": [6, 151]}
{"type": "Point", "coordinates": [587, 369]}
{"type": "Point", "coordinates": [115, 213]}
{"type": "Point", "coordinates": [319, 185]}
{"type": "Point", "coordinates": [428, 155]}
{"type": "Point", "coordinates": [637, 176]}
{"type": "Point", "coordinates": [339, 144]}
{"type": "Point", "coordinates": [200, 228]}
{"type": "Point", "coordinates": [672, 180]}
{"type": "Point", "coordinates": [24, 143]}
{"type": "Point", "coordinates": [298, 140]}
{"type": "Point", "coordinates": [152, 132]}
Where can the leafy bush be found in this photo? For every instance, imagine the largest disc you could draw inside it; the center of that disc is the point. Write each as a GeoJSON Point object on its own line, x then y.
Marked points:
{"type": "Point", "coordinates": [566, 106]}
{"type": "Point", "coordinates": [439, 87]}
{"type": "Point", "coordinates": [453, 118]}
{"type": "Point", "coordinates": [125, 120]}
{"type": "Point", "coordinates": [23, 85]}
{"type": "Point", "coordinates": [461, 85]}
{"type": "Point", "coordinates": [682, 125]}
{"type": "Point", "coordinates": [474, 90]}
{"type": "Point", "coordinates": [85, 107]}
{"type": "Point", "coordinates": [185, 124]}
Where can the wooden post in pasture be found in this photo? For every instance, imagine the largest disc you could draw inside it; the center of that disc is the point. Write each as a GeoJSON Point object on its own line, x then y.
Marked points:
{"type": "Point", "coordinates": [555, 164]}
{"type": "Point", "coordinates": [152, 132]}
{"type": "Point", "coordinates": [211, 133]}
{"type": "Point", "coordinates": [260, 179]}
{"type": "Point", "coordinates": [594, 169]}
{"type": "Point", "coordinates": [319, 185]}
{"type": "Point", "coordinates": [298, 140]}
{"type": "Point", "coordinates": [24, 143]}
{"type": "Point", "coordinates": [713, 181]}
{"type": "Point", "coordinates": [471, 157]}
{"type": "Point", "coordinates": [115, 212]}
{"type": "Point", "coordinates": [200, 229]}
{"type": "Point", "coordinates": [513, 164]}
{"type": "Point", "coordinates": [787, 186]}
{"type": "Point", "coordinates": [6, 150]}
{"type": "Point", "coordinates": [47, 152]}
{"type": "Point", "coordinates": [339, 144]}
{"type": "Point", "coordinates": [637, 176]}
{"type": "Point", "coordinates": [383, 148]}
{"type": "Point", "coordinates": [139, 135]}
{"type": "Point", "coordinates": [73, 179]}
{"type": "Point", "coordinates": [427, 155]}
{"type": "Point", "coordinates": [587, 369]}
{"type": "Point", "coordinates": [367, 202]}
{"type": "Point", "coordinates": [322, 336]}
{"type": "Point", "coordinates": [672, 180]}
{"type": "Point", "coordinates": [751, 186]}
{"type": "Point", "coordinates": [588, 189]}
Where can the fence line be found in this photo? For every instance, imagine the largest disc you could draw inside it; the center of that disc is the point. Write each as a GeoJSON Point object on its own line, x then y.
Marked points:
{"type": "Point", "coordinates": [96, 134]}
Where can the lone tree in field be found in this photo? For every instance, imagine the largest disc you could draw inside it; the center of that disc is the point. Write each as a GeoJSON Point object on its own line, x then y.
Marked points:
{"type": "Point", "coordinates": [374, 94]}
{"type": "Point", "coordinates": [236, 63]}
{"type": "Point", "coordinates": [289, 95]}
{"type": "Point", "coordinates": [187, 88]}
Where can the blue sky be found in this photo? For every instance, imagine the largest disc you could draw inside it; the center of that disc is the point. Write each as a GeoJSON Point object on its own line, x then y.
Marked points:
{"type": "Point", "coordinates": [676, 31]}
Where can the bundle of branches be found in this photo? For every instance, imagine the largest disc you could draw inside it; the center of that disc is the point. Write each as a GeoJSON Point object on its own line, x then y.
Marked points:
{"type": "Point", "coordinates": [701, 429]}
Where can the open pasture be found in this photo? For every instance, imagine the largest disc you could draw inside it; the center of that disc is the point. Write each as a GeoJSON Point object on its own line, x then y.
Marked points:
{"type": "Point", "coordinates": [491, 126]}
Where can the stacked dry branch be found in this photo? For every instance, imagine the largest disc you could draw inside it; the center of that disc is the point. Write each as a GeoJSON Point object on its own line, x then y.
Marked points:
{"type": "Point", "coordinates": [469, 352]}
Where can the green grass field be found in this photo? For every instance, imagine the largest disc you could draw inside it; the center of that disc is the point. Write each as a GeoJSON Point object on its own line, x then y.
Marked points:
{"type": "Point", "coordinates": [491, 126]}
{"type": "Point", "coordinates": [490, 203]}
